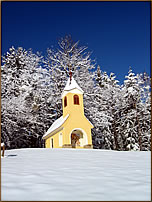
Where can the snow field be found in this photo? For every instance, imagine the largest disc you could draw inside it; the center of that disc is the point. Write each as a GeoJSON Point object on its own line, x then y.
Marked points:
{"type": "Point", "coordinates": [75, 174]}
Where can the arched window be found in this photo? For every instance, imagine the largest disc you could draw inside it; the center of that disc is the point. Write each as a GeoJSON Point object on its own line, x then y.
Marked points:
{"type": "Point", "coordinates": [65, 101]}
{"type": "Point", "coordinates": [76, 99]}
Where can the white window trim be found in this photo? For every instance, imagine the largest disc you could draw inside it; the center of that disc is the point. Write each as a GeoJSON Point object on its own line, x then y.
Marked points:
{"type": "Point", "coordinates": [60, 140]}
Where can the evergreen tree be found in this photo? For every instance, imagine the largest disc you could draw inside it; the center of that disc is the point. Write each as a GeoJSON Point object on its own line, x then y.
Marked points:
{"type": "Point", "coordinates": [19, 84]}
{"type": "Point", "coordinates": [107, 94]}
{"type": "Point", "coordinates": [135, 118]}
{"type": "Point", "coordinates": [144, 110]}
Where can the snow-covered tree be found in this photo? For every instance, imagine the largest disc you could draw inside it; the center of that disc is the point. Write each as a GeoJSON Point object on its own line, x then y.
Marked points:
{"type": "Point", "coordinates": [70, 56]}
{"type": "Point", "coordinates": [122, 113]}
{"type": "Point", "coordinates": [106, 101]}
{"type": "Point", "coordinates": [100, 116]}
{"type": "Point", "coordinates": [19, 97]}
{"type": "Point", "coordinates": [144, 110]}
{"type": "Point", "coordinates": [133, 114]}
{"type": "Point", "coordinates": [131, 96]}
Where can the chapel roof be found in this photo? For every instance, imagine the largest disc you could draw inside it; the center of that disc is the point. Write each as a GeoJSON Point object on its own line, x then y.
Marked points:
{"type": "Point", "coordinates": [56, 125]}
{"type": "Point", "coordinates": [71, 85]}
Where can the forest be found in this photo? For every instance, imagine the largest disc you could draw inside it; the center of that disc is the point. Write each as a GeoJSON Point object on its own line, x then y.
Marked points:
{"type": "Point", "coordinates": [31, 88]}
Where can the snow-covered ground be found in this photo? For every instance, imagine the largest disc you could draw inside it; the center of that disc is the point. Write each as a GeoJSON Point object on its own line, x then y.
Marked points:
{"type": "Point", "coordinates": [75, 174]}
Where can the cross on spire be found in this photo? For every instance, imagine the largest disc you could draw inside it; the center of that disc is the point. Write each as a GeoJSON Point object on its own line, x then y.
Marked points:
{"type": "Point", "coordinates": [70, 74]}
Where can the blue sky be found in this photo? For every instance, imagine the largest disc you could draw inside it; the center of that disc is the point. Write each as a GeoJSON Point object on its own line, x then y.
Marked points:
{"type": "Point", "coordinates": [117, 33]}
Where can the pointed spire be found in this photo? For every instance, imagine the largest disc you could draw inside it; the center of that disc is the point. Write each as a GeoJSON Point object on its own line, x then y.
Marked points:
{"type": "Point", "coordinates": [70, 86]}
{"type": "Point", "coordinates": [73, 85]}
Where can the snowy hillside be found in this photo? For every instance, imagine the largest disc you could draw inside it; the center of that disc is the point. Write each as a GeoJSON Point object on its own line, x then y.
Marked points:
{"type": "Point", "coordinates": [75, 174]}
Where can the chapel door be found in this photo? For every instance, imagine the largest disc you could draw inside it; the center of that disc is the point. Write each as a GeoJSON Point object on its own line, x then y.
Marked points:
{"type": "Point", "coordinates": [75, 140]}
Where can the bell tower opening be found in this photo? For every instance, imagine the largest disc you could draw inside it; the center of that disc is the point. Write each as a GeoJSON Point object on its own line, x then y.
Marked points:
{"type": "Point", "coordinates": [76, 99]}
{"type": "Point", "coordinates": [65, 101]}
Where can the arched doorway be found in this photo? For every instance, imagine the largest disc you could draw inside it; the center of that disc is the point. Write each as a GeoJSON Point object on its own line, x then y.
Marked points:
{"type": "Point", "coordinates": [78, 138]}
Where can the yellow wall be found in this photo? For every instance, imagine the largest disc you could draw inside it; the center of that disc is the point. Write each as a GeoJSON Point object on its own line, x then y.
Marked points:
{"type": "Point", "coordinates": [76, 122]}
{"type": "Point", "coordinates": [76, 118]}
{"type": "Point", "coordinates": [71, 108]}
{"type": "Point", "coordinates": [55, 140]}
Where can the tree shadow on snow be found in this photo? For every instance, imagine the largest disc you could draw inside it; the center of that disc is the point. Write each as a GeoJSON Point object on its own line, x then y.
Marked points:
{"type": "Point", "coordinates": [11, 155]}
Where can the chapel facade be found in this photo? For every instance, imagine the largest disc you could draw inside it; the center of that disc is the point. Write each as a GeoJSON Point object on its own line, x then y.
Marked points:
{"type": "Point", "coordinates": [73, 129]}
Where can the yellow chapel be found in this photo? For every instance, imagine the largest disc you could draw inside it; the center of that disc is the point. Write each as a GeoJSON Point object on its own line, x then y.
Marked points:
{"type": "Point", "coordinates": [73, 129]}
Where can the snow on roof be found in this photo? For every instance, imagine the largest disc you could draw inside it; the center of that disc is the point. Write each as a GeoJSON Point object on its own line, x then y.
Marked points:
{"type": "Point", "coordinates": [72, 85]}
{"type": "Point", "coordinates": [56, 125]}
{"type": "Point", "coordinates": [90, 122]}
